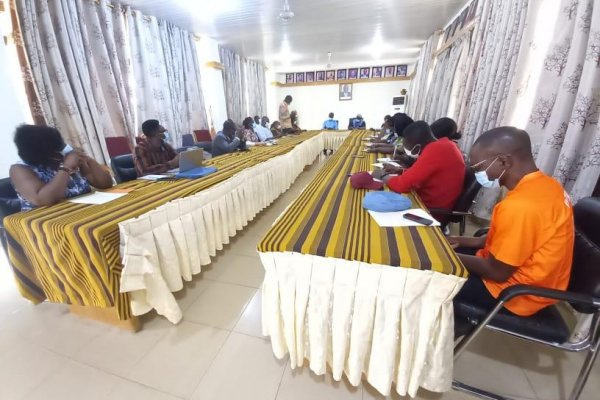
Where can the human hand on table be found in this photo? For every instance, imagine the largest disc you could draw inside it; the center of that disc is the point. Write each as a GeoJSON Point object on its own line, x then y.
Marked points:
{"type": "Point", "coordinates": [391, 169]}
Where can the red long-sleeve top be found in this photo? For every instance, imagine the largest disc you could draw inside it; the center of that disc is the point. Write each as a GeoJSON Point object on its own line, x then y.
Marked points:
{"type": "Point", "coordinates": [437, 176]}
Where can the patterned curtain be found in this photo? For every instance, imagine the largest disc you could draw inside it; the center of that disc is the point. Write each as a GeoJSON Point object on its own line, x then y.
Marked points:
{"type": "Point", "coordinates": [71, 48]}
{"type": "Point", "coordinates": [234, 84]}
{"type": "Point", "coordinates": [99, 71]}
{"type": "Point", "coordinates": [256, 88]}
{"type": "Point", "coordinates": [417, 91]}
{"type": "Point", "coordinates": [564, 121]}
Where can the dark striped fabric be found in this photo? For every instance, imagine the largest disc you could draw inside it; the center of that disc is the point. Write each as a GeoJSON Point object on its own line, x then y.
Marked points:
{"type": "Point", "coordinates": [328, 220]}
{"type": "Point", "coordinates": [69, 253]}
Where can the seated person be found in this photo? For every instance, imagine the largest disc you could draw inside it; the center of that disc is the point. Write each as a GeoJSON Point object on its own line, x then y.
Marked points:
{"type": "Point", "coordinates": [294, 118]}
{"type": "Point", "coordinates": [330, 124]}
{"type": "Point", "coordinates": [531, 233]}
{"type": "Point", "coordinates": [387, 128]}
{"type": "Point", "coordinates": [357, 123]}
{"type": "Point", "coordinates": [445, 127]}
{"type": "Point", "coordinates": [153, 155]}
{"type": "Point", "coordinates": [256, 121]}
{"type": "Point", "coordinates": [52, 171]}
{"type": "Point", "coordinates": [438, 172]}
{"type": "Point", "coordinates": [262, 131]}
{"type": "Point", "coordinates": [386, 145]}
{"type": "Point", "coordinates": [228, 140]}
{"type": "Point", "coordinates": [276, 129]}
{"type": "Point", "coordinates": [249, 135]}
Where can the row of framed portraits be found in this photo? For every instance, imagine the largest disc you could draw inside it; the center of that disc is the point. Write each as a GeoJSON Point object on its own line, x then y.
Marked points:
{"type": "Point", "coordinates": [389, 71]}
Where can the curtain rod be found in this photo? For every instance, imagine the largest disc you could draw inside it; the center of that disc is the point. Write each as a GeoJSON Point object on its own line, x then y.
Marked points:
{"type": "Point", "coordinates": [133, 12]}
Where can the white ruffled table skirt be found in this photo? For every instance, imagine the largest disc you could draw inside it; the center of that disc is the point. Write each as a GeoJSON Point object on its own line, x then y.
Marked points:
{"type": "Point", "coordinates": [394, 325]}
{"type": "Point", "coordinates": [166, 246]}
{"type": "Point", "coordinates": [332, 140]}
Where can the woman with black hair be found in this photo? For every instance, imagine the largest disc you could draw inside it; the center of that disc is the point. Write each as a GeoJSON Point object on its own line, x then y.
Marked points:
{"type": "Point", "coordinates": [51, 170]}
{"type": "Point", "coordinates": [249, 135]}
{"type": "Point", "coordinates": [445, 127]}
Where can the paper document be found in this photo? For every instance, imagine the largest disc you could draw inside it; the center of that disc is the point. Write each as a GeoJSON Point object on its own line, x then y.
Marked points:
{"type": "Point", "coordinates": [97, 198]}
{"type": "Point", "coordinates": [154, 177]}
{"type": "Point", "coordinates": [384, 160]}
{"type": "Point", "coordinates": [393, 164]}
{"type": "Point", "coordinates": [396, 219]}
{"type": "Point", "coordinates": [378, 165]}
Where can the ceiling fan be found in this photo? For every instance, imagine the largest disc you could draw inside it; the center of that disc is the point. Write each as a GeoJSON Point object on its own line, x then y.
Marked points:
{"type": "Point", "coordinates": [286, 14]}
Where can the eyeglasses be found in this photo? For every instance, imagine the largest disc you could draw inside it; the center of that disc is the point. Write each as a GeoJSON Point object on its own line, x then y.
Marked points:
{"type": "Point", "coordinates": [474, 166]}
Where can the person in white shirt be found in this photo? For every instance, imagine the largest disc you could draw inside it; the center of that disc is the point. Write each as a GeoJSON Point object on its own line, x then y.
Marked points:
{"type": "Point", "coordinates": [263, 131]}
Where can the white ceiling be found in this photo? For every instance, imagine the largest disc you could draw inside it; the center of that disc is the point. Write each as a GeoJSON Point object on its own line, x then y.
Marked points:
{"type": "Point", "coordinates": [353, 30]}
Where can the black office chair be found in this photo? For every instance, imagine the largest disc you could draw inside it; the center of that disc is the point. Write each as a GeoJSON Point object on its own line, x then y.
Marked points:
{"type": "Point", "coordinates": [463, 204]}
{"type": "Point", "coordinates": [123, 168]}
{"type": "Point", "coordinates": [9, 204]}
{"type": "Point", "coordinates": [547, 326]}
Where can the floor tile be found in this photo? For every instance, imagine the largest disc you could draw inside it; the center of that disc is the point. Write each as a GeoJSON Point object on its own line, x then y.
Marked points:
{"type": "Point", "coordinates": [75, 381]}
{"type": "Point", "coordinates": [245, 368]}
{"type": "Point", "coordinates": [369, 393]}
{"type": "Point", "coordinates": [220, 305]}
{"type": "Point", "coordinates": [238, 269]}
{"type": "Point", "coordinates": [250, 322]}
{"type": "Point", "coordinates": [301, 383]}
{"type": "Point", "coordinates": [118, 350]}
{"type": "Point", "coordinates": [126, 390]}
{"type": "Point", "coordinates": [178, 361]}
{"type": "Point", "coordinates": [191, 290]}
{"type": "Point", "coordinates": [24, 367]}
{"type": "Point", "coordinates": [481, 362]}
{"type": "Point", "coordinates": [552, 372]}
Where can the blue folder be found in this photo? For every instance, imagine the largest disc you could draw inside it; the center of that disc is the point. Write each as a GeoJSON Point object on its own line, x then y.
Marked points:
{"type": "Point", "coordinates": [198, 172]}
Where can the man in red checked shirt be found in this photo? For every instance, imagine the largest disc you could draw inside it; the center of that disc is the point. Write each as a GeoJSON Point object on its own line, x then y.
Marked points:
{"type": "Point", "coordinates": [438, 173]}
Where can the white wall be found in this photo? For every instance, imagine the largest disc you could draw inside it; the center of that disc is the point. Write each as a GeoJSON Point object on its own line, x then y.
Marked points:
{"type": "Point", "coordinates": [13, 107]}
{"type": "Point", "coordinates": [212, 83]}
{"type": "Point", "coordinates": [373, 100]}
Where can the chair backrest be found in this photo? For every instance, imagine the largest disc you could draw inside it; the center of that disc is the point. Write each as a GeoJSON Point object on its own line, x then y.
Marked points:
{"type": "Point", "coordinates": [124, 168]}
{"type": "Point", "coordinates": [203, 135]}
{"type": "Point", "coordinates": [187, 139]}
{"type": "Point", "coordinates": [117, 146]}
{"type": "Point", "coordinates": [470, 189]}
{"type": "Point", "coordinates": [585, 273]}
{"type": "Point", "coordinates": [9, 201]}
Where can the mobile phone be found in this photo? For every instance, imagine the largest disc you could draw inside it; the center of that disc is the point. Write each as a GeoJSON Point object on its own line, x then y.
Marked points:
{"type": "Point", "coordinates": [416, 218]}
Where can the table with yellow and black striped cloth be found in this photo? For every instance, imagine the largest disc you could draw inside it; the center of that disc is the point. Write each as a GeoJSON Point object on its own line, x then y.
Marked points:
{"type": "Point", "coordinates": [72, 253]}
{"type": "Point", "coordinates": [341, 290]}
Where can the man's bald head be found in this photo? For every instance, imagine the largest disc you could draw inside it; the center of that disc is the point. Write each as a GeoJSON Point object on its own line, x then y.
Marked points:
{"type": "Point", "coordinates": [505, 140]}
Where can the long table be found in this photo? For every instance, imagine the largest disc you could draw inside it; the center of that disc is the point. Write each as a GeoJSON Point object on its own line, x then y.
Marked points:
{"type": "Point", "coordinates": [85, 254]}
{"type": "Point", "coordinates": [341, 291]}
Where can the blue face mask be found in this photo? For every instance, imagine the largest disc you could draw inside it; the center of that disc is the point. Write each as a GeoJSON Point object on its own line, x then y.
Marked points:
{"type": "Point", "coordinates": [484, 180]}
{"type": "Point", "coordinates": [67, 149]}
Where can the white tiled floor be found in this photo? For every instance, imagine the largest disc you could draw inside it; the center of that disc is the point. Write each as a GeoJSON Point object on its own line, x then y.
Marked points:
{"type": "Point", "coordinates": [218, 352]}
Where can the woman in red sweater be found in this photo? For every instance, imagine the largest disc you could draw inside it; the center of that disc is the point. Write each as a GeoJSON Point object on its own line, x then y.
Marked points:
{"type": "Point", "coordinates": [438, 173]}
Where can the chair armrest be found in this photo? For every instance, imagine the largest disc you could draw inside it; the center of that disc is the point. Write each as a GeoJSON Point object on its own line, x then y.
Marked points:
{"type": "Point", "coordinates": [481, 232]}
{"type": "Point", "coordinates": [448, 212]}
{"type": "Point", "coordinates": [570, 297]}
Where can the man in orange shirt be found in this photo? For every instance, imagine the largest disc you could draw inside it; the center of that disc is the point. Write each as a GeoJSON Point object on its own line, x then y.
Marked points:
{"type": "Point", "coordinates": [531, 233]}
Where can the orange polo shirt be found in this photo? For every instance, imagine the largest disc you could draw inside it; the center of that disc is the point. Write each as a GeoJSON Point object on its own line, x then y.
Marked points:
{"type": "Point", "coordinates": [532, 229]}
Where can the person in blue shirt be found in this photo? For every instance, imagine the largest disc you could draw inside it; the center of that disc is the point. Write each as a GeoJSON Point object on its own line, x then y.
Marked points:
{"type": "Point", "coordinates": [228, 140]}
{"type": "Point", "coordinates": [263, 131]}
{"type": "Point", "coordinates": [357, 123]}
{"type": "Point", "coordinates": [331, 123]}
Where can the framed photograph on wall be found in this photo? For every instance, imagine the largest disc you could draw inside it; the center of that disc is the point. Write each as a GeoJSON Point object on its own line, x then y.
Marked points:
{"type": "Point", "coordinates": [330, 76]}
{"type": "Point", "coordinates": [401, 70]}
{"type": "Point", "coordinates": [299, 77]}
{"type": "Point", "coordinates": [365, 73]}
{"type": "Point", "coordinates": [345, 91]}
{"type": "Point", "coordinates": [310, 77]}
{"type": "Point", "coordinates": [353, 73]}
{"type": "Point", "coordinates": [389, 71]}
{"type": "Point", "coordinates": [320, 76]}
{"type": "Point", "coordinates": [377, 72]}
{"type": "Point", "coordinates": [341, 74]}
{"type": "Point", "coordinates": [289, 78]}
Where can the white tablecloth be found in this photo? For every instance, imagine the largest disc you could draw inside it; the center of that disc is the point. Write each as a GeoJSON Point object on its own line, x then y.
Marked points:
{"type": "Point", "coordinates": [164, 247]}
{"type": "Point", "coordinates": [334, 139]}
{"type": "Point", "coordinates": [392, 324]}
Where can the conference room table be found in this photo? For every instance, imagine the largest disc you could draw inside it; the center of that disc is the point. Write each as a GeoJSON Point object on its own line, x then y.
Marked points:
{"type": "Point", "coordinates": [343, 292]}
{"type": "Point", "coordinates": [127, 256]}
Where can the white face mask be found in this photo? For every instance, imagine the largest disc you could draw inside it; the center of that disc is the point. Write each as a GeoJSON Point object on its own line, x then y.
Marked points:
{"type": "Point", "coordinates": [484, 180]}
{"type": "Point", "coordinates": [67, 149]}
{"type": "Point", "coordinates": [411, 154]}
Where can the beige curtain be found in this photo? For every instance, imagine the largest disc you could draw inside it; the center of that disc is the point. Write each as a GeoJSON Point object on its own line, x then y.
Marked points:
{"type": "Point", "coordinates": [417, 91]}
{"type": "Point", "coordinates": [564, 120]}
{"type": "Point", "coordinates": [234, 84]}
{"type": "Point", "coordinates": [256, 88]}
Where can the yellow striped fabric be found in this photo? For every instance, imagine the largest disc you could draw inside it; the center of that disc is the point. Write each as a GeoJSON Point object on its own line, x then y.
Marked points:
{"type": "Point", "coordinates": [328, 220]}
{"type": "Point", "coordinates": [69, 253]}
